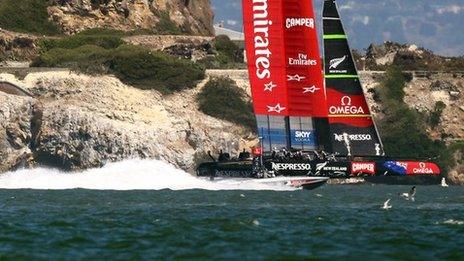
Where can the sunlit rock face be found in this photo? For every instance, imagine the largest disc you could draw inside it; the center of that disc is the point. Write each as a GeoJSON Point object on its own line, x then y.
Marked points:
{"type": "Point", "coordinates": [192, 17]}
{"type": "Point", "coordinates": [76, 122]}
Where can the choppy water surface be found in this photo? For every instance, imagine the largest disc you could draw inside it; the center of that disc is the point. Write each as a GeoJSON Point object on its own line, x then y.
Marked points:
{"type": "Point", "coordinates": [247, 222]}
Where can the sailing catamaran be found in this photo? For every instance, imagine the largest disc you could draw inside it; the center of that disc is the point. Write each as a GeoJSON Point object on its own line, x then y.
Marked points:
{"type": "Point", "coordinates": [303, 111]}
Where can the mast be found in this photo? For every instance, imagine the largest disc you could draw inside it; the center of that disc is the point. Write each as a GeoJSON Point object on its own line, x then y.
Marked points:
{"type": "Point", "coordinates": [352, 129]}
{"type": "Point", "coordinates": [285, 72]}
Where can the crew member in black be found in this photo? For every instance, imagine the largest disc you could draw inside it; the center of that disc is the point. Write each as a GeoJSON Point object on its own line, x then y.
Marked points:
{"type": "Point", "coordinates": [274, 154]}
{"type": "Point", "coordinates": [223, 157]}
{"type": "Point", "coordinates": [244, 155]}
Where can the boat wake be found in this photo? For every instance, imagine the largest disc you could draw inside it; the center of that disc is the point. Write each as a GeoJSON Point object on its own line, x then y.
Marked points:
{"type": "Point", "coordinates": [125, 175]}
{"type": "Point", "coordinates": [453, 222]}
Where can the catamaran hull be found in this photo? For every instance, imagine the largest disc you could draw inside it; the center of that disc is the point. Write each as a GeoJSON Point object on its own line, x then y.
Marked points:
{"type": "Point", "coordinates": [307, 183]}
{"type": "Point", "coordinates": [379, 172]}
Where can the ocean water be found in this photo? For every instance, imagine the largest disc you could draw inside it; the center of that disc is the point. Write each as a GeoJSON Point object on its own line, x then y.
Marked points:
{"type": "Point", "coordinates": [147, 209]}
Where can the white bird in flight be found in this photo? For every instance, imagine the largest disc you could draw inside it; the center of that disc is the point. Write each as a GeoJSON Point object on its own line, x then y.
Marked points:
{"type": "Point", "coordinates": [409, 195]}
{"type": "Point", "coordinates": [386, 204]}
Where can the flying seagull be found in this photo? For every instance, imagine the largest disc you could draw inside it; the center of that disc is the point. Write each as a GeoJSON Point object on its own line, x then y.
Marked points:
{"type": "Point", "coordinates": [409, 195]}
{"type": "Point", "coordinates": [386, 204]}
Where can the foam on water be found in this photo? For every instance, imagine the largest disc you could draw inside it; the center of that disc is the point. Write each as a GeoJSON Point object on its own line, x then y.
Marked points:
{"type": "Point", "coordinates": [125, 175]}
{"type": "Point", "coordinates": [453, 222]}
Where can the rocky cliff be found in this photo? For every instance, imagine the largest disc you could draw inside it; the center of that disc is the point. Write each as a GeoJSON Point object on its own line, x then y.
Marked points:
{"type": "Point", "coordinates": [17, 47]}
{"type": "Point", "coordinates": [192, 17]}
{"type": "Point", "coordinates": [422, 93]}
{"type": "Point", "coordinates": [408, 57]}
{"type": "Point", "coordinates": [77, 122]}
{"type": "Point", "coordinates": [15, 136]}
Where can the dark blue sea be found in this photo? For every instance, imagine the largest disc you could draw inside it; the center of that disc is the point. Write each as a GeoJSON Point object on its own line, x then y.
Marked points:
{"type": "Point", "coordinates": [329, 222]}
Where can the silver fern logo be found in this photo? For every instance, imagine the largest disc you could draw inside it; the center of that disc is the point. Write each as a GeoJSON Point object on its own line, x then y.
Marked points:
{"type": "Point", "coordinates": [334, 63]}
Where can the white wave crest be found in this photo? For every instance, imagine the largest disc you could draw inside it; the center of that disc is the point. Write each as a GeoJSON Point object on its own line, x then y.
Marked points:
{"type": "Point", "coordinates": [453, 222]}
{"type": "Point", "coordinates": [125, 175]}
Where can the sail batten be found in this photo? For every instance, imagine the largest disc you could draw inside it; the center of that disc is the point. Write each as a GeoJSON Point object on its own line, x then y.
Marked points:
{"type": "Point", "coordinates": [334, 36]}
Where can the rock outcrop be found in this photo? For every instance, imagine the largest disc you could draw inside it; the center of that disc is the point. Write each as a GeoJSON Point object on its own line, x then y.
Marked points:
{"type": "Point", "coordinates": [423, 93]}
{"type": "Point", "coordinates": [78, 122]}
{"type": "Point", "coordinates": [409, 57]}
{"type": "Point", "coordinates": [187, 47]}
{"type": "Point", "coordinates": [16, 47]}
{"type": "Point", "coordinates": [193, 17]}
{"type": "Point", "coordinates": [16, 113]}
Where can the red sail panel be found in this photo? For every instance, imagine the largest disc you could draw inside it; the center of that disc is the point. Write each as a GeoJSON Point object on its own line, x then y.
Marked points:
{"type": "Point", "coordinates": [358, 122]}
{"type": "Point", "coordinates": [304, 70]}
{"type": "Point", "coordinates": [264, 36]}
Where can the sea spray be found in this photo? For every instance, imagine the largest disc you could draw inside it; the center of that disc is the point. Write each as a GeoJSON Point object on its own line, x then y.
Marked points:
{"type": "Point", "coordinates": [131, 174]}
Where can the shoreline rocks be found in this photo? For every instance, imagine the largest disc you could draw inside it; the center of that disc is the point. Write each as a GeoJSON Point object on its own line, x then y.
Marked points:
{"type": "Point", "coordinates": [78, 122]}
{"type": "Point", "coordinates": [15, 131]}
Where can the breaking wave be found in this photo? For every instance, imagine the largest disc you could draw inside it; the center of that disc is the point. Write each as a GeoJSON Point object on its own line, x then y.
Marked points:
{"type": "Point", "coordinates": [453, 222]}
{"type": "Point", "coordinates": [125, 175]}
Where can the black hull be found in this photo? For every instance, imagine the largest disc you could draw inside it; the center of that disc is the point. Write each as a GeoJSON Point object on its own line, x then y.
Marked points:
{"type": "Point", "coordinates": [373, 172]}
{"type": "Point", "coordinates": [313, 185]}
{"type": "Point", "coordinates": [307, 183]}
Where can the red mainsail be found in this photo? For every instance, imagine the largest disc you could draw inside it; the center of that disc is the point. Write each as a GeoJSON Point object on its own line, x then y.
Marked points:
{"type": "Point", "coordinates": [283, 58]}
{"type": "Point", "coordinates": [285, 72]}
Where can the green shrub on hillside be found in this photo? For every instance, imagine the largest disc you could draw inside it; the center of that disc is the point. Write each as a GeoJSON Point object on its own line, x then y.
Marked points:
{"type": "Point", "coordinates": [457, 147]}
{"type": "Point", "coordinates": [133, 65]}
{"type": "Point", "coordinates": [403, 129]}
{"type": "Point", "coordinates": [412, 62]}
{"type": "Point", "coordinates": [229, 55]}
{"type": "Point", "coordinates": [223, 99]}
{"type": "Point", "coordinates": [435, 115]}
{"type": "Point", "coordinates": [404, 135]}
{"type": "Point", "coordinates": [147, 70]}
{"type": "Point", "coordinates": [75, 41]}
{"type": "Point", "coordinates": [103, 31]}
{"type": "Point", "coordinates": [115, 32]}
{"type": "Point", "coordinates": [27, 16]}
{"type": "Point", "coordinates": [393, 85]}
{"type": "Point", "coordinates": [88, 59]}
{"type": "Point", "coordinates": [224, 45]}
{"type": "Point", "coordinates": [166, 25]}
